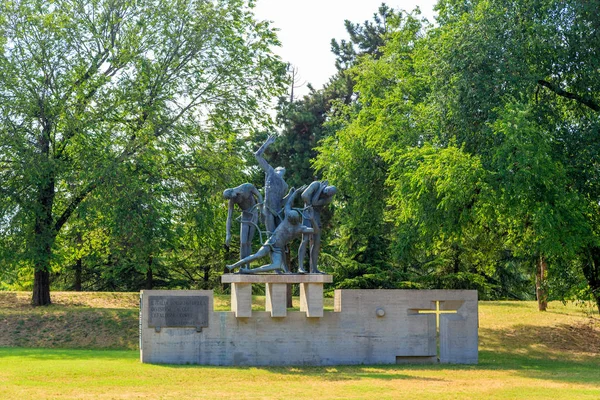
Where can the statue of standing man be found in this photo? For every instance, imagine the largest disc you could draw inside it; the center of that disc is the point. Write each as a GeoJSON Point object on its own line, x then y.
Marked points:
{"type": "Point", "coordinates": [248, 199]}
{"type": "Point", "coordinates": [275, 188]}
{"type": "Point", "coordinates": [316, 196]}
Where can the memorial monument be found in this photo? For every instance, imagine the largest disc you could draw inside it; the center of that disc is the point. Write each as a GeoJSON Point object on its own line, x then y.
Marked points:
{"type": "Point", "coordinates": [365, 326]}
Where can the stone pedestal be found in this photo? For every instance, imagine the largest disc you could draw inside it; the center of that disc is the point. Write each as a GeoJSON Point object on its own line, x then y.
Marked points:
{"type": "Point", "coordinates": [311, 299]}
{"type": "Point", "coordinates": [241, 299]}
{"type": "Point", "coordinates": [276, 299]}
{"type": "Point", "coordinates": [311, 293]}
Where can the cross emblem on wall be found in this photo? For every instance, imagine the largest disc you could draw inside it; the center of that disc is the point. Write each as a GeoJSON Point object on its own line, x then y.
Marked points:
{"type": "Point", "coordinates": [437, 313]}
{"type": "Point", "coordinates": [456, 334]}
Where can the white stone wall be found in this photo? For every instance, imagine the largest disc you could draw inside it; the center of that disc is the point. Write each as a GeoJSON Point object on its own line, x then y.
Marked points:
{"type": "Point", "coordinates": [367, 327]}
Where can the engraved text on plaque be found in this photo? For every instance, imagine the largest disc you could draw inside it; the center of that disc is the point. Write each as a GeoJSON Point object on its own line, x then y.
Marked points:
{"type": "Point", "coordinates": [178, 311]}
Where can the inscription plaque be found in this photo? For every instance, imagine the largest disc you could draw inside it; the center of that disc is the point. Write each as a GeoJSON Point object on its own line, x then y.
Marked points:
{"type": "Point", "coordinates": [177, 312]}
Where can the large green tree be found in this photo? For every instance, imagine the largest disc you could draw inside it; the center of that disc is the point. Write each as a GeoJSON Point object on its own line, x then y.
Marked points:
{"type": "Point", "coordinates": [486, 129]}
{"type": "Point", "coordinates": [517, 85]}
{"type": "Point", "coordinates": [353, 159]}
{"type": "Point", "coordinates": [87, 88]}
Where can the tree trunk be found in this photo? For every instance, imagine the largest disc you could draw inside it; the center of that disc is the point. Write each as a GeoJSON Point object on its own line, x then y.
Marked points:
{"type": "Point", "coordinates": [456, 259]}
{"type": "Point", "coordinates": [591, 271]}
{"type": "Point", "coordinates": [44, 232]}
{"type": "Point", "coordinates": [149, 277]}
{"type": "Point", "coordinates": [43, 240]}
{"type": "Point", "coordinates": [541, 273]}
{"type": "Point", "coordinates": [78, 269]}
{"type": "Point", "coordinates": [41, 288]}
{"type": "Point", "coordinates": [206, 276]}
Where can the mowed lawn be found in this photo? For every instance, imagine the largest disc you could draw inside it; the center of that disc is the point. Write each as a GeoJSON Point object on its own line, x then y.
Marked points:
{"type": "Point", "coordinates": [524, 354]}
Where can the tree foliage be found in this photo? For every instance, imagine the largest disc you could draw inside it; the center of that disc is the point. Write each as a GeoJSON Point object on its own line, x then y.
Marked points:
{"type": "Point", "coordinates": [94, 93]}
{"type": "Point", "coordinates": [484, 129]}
{"type": "Point", "coordinates": [465, 153]}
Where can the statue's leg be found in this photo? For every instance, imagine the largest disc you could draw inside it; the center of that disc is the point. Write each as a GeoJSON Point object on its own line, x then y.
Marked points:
{"type": "Point", "coordinates": [246, 234]}
{"type": "Point", "coordinates": [252, 227]}
{"type": "Point", "coordinates": [277, 220]}
{"type": "Point", "coordinates": [315, 249]}
{"type": "Point", "coordinates": [263, 251]}
{"type": "Point", "coordinates": [302, 253]}
{"type": "Point", "coordinates": [287, 259]}
{"type": "Point", "coordinates": [276, 264]}
{"type": "Point", "coordinates": [270, 222]}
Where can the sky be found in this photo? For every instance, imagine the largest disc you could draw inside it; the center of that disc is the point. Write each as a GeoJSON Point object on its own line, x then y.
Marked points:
{"type": "Point", "coordinates": [306, 28]}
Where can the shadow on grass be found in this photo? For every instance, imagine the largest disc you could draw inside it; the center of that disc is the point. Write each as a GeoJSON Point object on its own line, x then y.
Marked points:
{"type": "Point", "coordinates": [537, 365]}
{"type": "Point", "coordinates": [528, 366]}
{"type": "Point", "coordinates": [328, 373]}
{"type": "Point", "coordinates": [564, 353]}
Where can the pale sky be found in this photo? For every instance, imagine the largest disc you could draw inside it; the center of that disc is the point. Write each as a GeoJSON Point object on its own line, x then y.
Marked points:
{"type": "Point", "coordinates": [306, 28]}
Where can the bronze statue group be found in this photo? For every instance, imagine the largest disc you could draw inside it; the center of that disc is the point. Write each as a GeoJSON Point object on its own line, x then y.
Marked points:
{"type": "Point", "coordinates": [283, 222]}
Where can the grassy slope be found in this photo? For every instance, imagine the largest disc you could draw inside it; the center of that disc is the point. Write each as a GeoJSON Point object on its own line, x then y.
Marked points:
{"type": "Point", "coordinates": [79, 320]}
{"type": "Point", "coordinates": [75, 320]}
{"type": "Point", "coordinates": [523, 354]}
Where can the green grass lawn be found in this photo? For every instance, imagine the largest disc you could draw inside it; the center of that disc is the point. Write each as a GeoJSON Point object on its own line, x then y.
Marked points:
{"type": "Point", "coordinates": [56, 373]}
{"type": "Point", "coordinates": [524, 354]}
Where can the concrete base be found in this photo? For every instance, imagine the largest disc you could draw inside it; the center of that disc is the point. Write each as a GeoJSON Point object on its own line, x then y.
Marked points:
{"type": "Point", "coordinates": [275, 299]}
{"type": "Point", "coordinates": [241, 300]}
{"type": "Point", "coordinates": [311, 292]}
{"type": "Point", "coordinates": [311, 299]}
{"type": "Point", "coordinates": [367, 327]}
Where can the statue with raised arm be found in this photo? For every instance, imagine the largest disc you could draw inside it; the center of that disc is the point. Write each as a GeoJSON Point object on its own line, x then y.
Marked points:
{"type": "Point", "coordinates": [249, 200]}
{"type": "Point", "coordinates": [290, 228]}
{"type": "Point", "coordinates": [316, 196]}
{"type": "Point", "coordinates": [275, 188]}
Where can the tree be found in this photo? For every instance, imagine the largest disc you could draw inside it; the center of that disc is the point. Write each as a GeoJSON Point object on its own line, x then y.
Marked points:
{"type": "Point", "coordinates": [365, 38]}
{"type": "Point", "coordinates": [307, 121]}
{"type": "Point", "coordinates": [295, 80]}
{"type": "Point", "coordinates": [87, 88]}
{"type": "Point", "coordinates": [493, 56]}
{"type": "Point", "coordinates": [354, 159]}
{"type": "Point", "coordinates": [502, 92]}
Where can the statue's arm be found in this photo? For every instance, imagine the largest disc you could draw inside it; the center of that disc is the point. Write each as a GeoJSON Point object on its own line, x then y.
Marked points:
{"type": "Point", "coordinates": [259, 155]}
{"type": "Point", "coordinates": [257, 194]}
{"type": "Point", "coordinates": [323, 202]}
{"type": "Point", "coordinates": [317, 193]}
{"type": "Point", "coordinates": [228, 224]}
{"type": "Point", "coordinates": [306, 229]}
{"type": "Point", "coordinates": [308, 194]}
{"type": "Point", "coordinates": [290, 199]}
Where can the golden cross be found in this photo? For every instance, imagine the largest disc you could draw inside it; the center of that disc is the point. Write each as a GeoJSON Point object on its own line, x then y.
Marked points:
{"type": "Point", "coordinates": [437, 313]}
